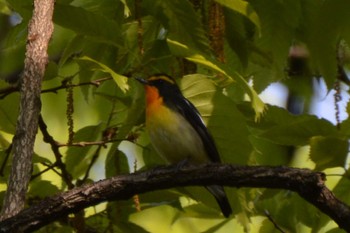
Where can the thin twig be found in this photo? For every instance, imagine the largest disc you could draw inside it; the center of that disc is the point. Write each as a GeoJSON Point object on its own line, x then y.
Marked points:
{"type": "Point", "coordinates": [66, 85]}
{"type": "Point", "coordinates": [70, 111]}
{"type": "Point", "coordinates": [58, 156]}
{"type": "Point", "coordinates": [8, 90]}
{"type": "Point", "coordinates": [53, 168]}
{"type": "Point", "coordinates": [83, 144]}
{"type": "Point", "coordinates": [268, 215]}
{"type": "Point", "coordinates": [92, 162]}
{"type": "Point", "coordinates": [48, 168]}
{"type": "Point", "coordinates": [12, 89]}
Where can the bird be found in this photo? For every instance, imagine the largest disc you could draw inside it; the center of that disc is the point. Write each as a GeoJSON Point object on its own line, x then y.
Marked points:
{"type": "Point", "coordinates": [177, 131]}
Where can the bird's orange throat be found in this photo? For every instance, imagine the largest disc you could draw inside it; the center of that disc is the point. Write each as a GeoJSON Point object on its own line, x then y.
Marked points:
{"type": "Point", "coordinates": [153, 100]}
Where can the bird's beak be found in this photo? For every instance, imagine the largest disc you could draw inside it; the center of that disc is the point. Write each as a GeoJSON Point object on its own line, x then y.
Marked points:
{"type": "Point", "coordinates": [141, 80]}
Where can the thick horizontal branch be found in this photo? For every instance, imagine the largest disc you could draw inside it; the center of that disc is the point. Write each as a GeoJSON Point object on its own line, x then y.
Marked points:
{"type": "Point", "coordinates": [308, 184]}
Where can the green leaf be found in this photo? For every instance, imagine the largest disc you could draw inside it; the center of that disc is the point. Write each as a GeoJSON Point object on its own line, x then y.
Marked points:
{"type": "Point", "coordinates": [78, 158]}
{"type": "Point", "coordinates": [275, 116]}
{"type": "Point", "coordinates": [85, 75]}
{"type": "Point", "coordinates": [283, 128]}
{"type": "Point", "coordinates": [158, 57]}
{"type": "Point", "coordinates": [156, 219]}
{"type": "Point", "coordinates": [12, 51]}
{"type": "Point", "coordinates": [22, 7]}
{"type": "Point", "coordinates": [73, 48]}
{"type": "Point", "coordinates": [4, 143]}
{"type": "Point", "coordinates": [129, 227]}
{"type": "Point", "coordinates": [122, 81]}
{"type": "Point", "coordinates": [42, 188]}
{"type": "Point", "coordinates": [8, 113]}
{"type": "Point", "coordinates": [127, 11]}
{"type": "Point", "coordinates": [341, 190]}
{"type": "Point", "coordinates": [108, 224]}
{"type": "Point", "coordinates": [166, 196]}
{"type": "Point", "coordinates": [202, 195]}
{"type": "Point", "coordinates": [40, 159]}
{"type": "Point", "coordinates": [7, 167]}
{"type": "Point", "coordinates": [329, 27]}
{"type": "Point", "coordinates": [150, 157]}
{"type": "Point", "coordinates": [182, 50]}
{"type": "Point", "coordinates": [89, 24]}
{"type": "Point", "coordinates": [238, 37]}
{"type": "Point", "coordinates": [277, 34]}
{"type": "Point", "coordinates": [116, 163]}
{"type": "Point", "coordinates": [299, 132]}
{"type": "Point", "coordinates": [200, 210]}
{"type": "Point", "coordinates": [4, 8]}
{"type": "Point", "coordinates": [328, 152]}
{"type": "Point", "coordinates": [286, 204]}
{"type": "Point", "coordinates": [345, 126]}
{"type": "Point", "coordinates": [181, 21]}
{"type": "Point", "coordinates": [64, 1]}
{"type": "Point", "coordinates": [129, 56]}
{"type": "Point", "coordinates": [336, 230]}
{"type": "Point", "coordinates": [244, 8]}
{"type": "Point", "coordinates": [269, 153]}
{"type": "Point", "coordinates": [51, 71]}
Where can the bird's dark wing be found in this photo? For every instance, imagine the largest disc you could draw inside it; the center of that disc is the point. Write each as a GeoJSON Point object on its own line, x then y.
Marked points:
{"type": "Point", "coordinates": [191, 114]}
{"type": "Point", "coordinates": [219, 193]}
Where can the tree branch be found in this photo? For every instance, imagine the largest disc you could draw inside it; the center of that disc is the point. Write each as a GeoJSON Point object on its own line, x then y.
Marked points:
{"type": "Point", "coordinates": [39, 33]}
{"type": "Point", "coordinates": [308, 184]}
{"type": "Point", "coordinates": [64, 85]}
{"type": "Point", "coordinates": [84, 144]}
{"type": "Point", "coordinates": [67, 178]}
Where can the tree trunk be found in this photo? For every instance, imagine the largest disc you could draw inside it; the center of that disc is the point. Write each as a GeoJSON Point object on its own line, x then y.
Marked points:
{"type": "Point", "coordinates": [39, 33]}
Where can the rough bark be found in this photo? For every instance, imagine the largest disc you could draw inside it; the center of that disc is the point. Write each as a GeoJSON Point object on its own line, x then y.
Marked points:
{"type": "Point", "coordinates": [39, 33]}
{"type": "Point", "coordinates": [308, 184]}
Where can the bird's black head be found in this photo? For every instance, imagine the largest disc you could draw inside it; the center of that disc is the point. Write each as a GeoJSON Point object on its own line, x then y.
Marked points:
{"type": "Point", "coordinates": [165, 84]}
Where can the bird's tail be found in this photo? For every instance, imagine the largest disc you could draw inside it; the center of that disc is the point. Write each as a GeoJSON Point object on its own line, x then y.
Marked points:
{"type": "Point", "coordinates": [219, 193]}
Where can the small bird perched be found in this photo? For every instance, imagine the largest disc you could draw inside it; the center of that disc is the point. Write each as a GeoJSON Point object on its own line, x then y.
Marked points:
{"type": "Point", "coordinates": [177, 131]}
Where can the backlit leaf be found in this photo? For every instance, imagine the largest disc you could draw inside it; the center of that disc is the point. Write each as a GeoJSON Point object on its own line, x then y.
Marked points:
{"type": "Point", "coordinates": [121, 80]}
{"type": "Point", "coordinates": [328, 151]}
{"type": "Point", "coordinates": [243, 8]}
{"type": "Point", "coordinates": [194, 56]}
{"type": "Point", "coordinates": [89, 24]}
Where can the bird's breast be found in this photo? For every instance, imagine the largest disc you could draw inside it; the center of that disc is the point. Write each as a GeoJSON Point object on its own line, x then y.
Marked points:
{"type": "Point", "coordinates": [172, 136]}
